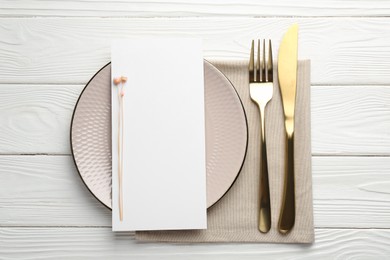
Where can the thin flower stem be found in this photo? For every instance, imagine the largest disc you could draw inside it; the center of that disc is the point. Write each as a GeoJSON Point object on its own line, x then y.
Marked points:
{"type": "Point", "coordinates": [119, 82]}
{"type": "Point", "coordinates": [120, 162]}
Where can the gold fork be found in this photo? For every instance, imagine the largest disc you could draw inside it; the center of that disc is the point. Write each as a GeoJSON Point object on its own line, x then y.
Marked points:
{"type": "Point", "coordinates": [261, 91]}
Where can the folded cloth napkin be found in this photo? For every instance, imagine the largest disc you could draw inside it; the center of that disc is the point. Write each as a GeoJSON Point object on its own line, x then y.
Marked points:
{"type": "Point", "coordinates": [235, 217]}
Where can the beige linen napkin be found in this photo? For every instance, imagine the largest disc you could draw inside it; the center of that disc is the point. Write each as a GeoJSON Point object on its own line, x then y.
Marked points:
{"type": "Point", "coordinates": [235, 217]}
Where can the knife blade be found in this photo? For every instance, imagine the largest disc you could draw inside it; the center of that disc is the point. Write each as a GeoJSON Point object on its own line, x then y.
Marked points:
{"type": "Point", "coordinates": [287, 75]}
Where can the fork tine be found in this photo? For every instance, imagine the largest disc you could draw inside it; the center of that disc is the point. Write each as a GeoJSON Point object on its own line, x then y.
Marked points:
{"type": "Point", "coordinates": [258, 62]}
{"type": "Point", "coordinates": [263, 64]}
{"type": "Point", "coordinates": [270, 63]}
{"type": "Point", "coordinates": [252, 64]}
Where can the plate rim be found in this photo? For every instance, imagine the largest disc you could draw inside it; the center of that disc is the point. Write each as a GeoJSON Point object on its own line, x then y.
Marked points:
{"type": "Point", "coordinates": [110, 207]}
{"type": "Point", "coordinates": [71, 135]}
{"type": "Point", "coordinates": [247, 135]}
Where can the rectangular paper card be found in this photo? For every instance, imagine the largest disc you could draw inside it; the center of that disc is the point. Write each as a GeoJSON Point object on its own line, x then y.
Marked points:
{"type": "Point", "coordinates": [164, 170]}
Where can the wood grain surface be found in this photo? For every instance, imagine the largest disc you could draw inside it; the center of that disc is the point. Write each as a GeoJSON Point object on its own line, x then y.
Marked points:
{"type": "Point", "coordinates": [61, 50]}
{"type": "Point", "coordinates": [102, 243]}
{"type": "Point", "coordinates": [50, 49]}
{"type": "Point", "coordinates": [185, 8]}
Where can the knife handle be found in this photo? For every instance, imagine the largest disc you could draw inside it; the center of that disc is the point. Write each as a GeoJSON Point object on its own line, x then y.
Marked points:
{"type": "Point", "coordinates": [287, 214]}
{"type": "Point", "coordinates": [265, 205]}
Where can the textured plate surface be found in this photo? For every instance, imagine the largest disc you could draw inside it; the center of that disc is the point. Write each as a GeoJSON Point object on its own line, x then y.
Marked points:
{"type": "Point", "coordinates": [226, 134]}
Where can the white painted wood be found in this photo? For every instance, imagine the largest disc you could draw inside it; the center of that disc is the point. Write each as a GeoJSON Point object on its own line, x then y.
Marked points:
{"type": "Point", "coordinates": [175, 8]}
{"type": "Point", "coordinates": [101, 243]}
{"type": "Point", "coordinates": [346, 120]}
{"type": "Point", "coordinates": [350, 120]}
{"type": "Point", "coordinates": [36, 118]}
{"type": "Point", "coordinates": [46, 191]}
{"type": "Point", "coordinates": [52, 50]}
{"type": "Point", "coordinates": [49, 50]}
{"type": "Point", "coordinates": [350, 192]}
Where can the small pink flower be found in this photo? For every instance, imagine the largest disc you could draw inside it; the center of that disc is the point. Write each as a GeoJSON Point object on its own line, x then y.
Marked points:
{"type": "Point", "coordinates": [117, 81]}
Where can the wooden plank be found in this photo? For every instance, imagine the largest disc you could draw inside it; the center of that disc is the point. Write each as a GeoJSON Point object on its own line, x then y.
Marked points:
{"type": "Point", "coordinates": [102, 243]}
{"type": "Point", "coordinates": [46, 190]}
{"type": "Point", "coordinates": [54, 50]}
{"type": "Point", "coordinates": [36, 118]}
{"type": "Point", "coordinates": [164, 8]}
{"type": "Point", "coordinates": [346, 120]}
{"type": "Point", "coordinates": [349, 192]}
{"type": "Point", "coordinates": [350, 120]}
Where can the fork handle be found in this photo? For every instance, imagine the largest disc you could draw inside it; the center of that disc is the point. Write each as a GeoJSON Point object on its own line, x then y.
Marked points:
{"type": "Point", "coordinates": [265, 205]}
{"type": "Point", "coordinates": [287, 215]}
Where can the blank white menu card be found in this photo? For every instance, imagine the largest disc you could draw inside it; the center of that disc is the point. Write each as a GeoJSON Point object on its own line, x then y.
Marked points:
{"type": "Point", "coordinates": [164, 170]}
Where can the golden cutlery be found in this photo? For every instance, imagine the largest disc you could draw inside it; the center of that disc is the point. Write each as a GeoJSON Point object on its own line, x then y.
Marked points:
{"type": "Point", "coordinates": [287, 75]}
{"type": "Point", "coordinates": [261, 91]}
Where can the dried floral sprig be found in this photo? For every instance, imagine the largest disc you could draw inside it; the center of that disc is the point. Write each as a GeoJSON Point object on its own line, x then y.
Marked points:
{"type": "Point", "coordinates": [120, 82]}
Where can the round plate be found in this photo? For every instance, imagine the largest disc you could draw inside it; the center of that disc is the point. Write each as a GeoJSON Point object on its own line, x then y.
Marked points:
{"type": "Point", "coordinates": [226, 134]}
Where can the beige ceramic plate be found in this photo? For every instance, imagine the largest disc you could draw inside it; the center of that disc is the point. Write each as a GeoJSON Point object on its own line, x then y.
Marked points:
{"type": "Point", "coordinates": [226, 134]}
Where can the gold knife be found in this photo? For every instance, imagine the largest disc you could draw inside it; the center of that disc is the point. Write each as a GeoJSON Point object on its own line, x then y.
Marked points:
{"type": "Point", "coordinates": [287, 75]}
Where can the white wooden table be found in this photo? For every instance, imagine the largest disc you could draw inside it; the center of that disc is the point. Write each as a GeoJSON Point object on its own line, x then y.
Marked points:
{"type": "Point", "coordinates": [49, 50]}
